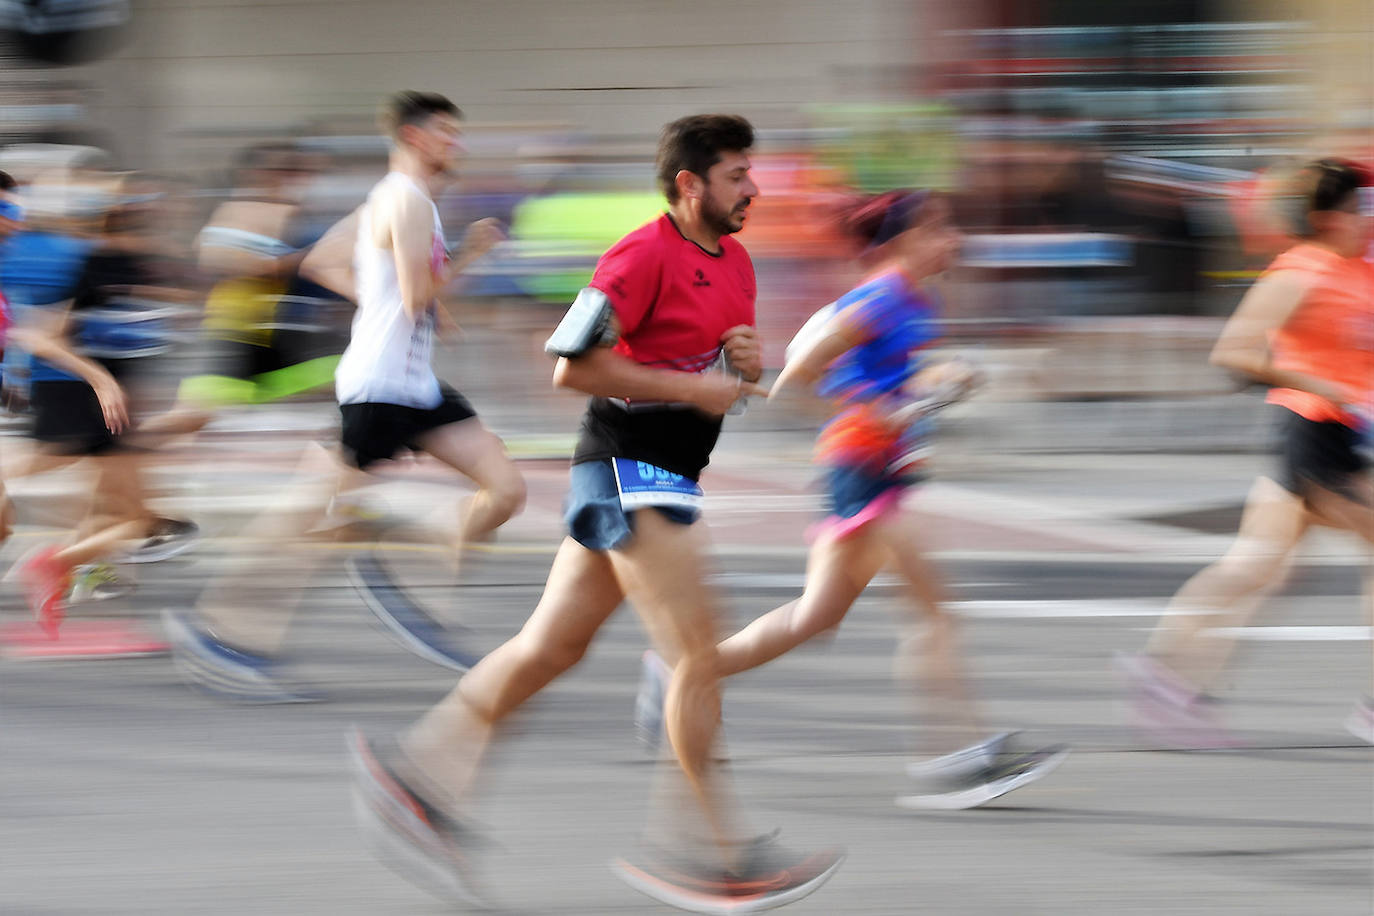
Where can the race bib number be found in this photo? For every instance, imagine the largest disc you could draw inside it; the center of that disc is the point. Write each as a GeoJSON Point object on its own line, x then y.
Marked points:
{"type": "Point", "coordinates": [642, 484]}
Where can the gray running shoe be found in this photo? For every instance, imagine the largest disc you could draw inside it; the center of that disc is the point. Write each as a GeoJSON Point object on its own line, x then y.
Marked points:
{"type": "Point", "coordinates": [654, 675]}
{"type": "Point", "coordinates": [976, 775]}
{"type": "Point", "coordinates": [170, 537]}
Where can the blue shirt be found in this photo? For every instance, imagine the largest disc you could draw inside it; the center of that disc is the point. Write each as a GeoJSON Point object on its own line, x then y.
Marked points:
{"type": "Point", "coordinates": [898, 321]}
{"type": "Point", "coordinates": [40, 270]}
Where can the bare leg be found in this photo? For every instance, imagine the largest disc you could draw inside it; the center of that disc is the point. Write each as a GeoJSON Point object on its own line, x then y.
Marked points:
{"type": "Point", "coordinates": [473, 450]}
{"type": "Point", "coordinates": [1273, 523]}
{"type": "Point", "coordinates": [1338, 510]}
{"type": "Point", "coordinates": [1369, 622]}
{"type": "Point", "coordinates": [662, 571]}
{"type": "Point", "coordinates": [6, 515]}
{"type": "Point", "coordinates": [447, 744]}
{"type": "Point", "coordinates": [931, 657]}
{"type": "Point", "coordinates": [1357, 515]}
{"type": "Point", "coordinates": [25, 459]}
{"type": "Point", "coordinates": [244, 604]}
{"type": "Point", "coordinates": [119, 511]}
{"type": "Point", "coordinates": [838, 570]}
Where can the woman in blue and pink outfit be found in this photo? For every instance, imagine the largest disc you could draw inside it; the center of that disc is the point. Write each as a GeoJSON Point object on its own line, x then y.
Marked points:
{"type": "Point", "coordinates": [870, 354]}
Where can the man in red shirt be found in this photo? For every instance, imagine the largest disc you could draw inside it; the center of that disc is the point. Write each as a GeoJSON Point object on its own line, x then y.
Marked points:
{"type": "Point", "coordinates": [666, 304]}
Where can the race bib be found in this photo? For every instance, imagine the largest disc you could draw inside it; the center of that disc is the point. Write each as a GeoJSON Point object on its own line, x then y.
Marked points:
{"type": "Point", "coordinates": [642, 484]}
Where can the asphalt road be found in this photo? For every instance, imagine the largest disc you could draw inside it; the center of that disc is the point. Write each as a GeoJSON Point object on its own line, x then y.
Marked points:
{"type": "Point", "coordinates": [123, 792]}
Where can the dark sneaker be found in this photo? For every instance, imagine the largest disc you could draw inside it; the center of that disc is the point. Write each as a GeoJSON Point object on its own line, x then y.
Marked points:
{"type": "Point", "coordinates": [978, 774]}
{"type": "Point", "coordinates": [171, 536]}
{"type": "Point", "coordinates": [1360, 722]}
{"type": "Point", "coordinates": [654, 675]}
{"type": "Point", "coordinates": [405, 620]}
{"type": "Point", "coordinates": [767, 876]}
{"type": "Point", "coordinates": [210, 665]}
{"type": "Point", "coordinates": [412, 837]}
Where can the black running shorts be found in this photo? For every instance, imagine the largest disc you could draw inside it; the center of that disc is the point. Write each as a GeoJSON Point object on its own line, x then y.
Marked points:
{"type": "Point", "coordinates": [67, 418]}
{"type": "Point", "coordinates": [376, 432]}
{"type": "Point", "coordinates": [1319, 454]}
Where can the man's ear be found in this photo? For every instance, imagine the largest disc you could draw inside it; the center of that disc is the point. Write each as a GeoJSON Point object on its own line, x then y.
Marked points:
{"type": "Point", "coordinates": [406, 135]}
{"type": "Point", "coordinates": [689, 185]}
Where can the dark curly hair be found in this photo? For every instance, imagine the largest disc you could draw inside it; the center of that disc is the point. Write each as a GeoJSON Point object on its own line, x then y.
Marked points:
{"type": "Point", "coordinates": [695, 143]}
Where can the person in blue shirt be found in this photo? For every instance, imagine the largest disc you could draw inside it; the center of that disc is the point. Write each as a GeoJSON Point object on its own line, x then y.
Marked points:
{"type": "Point", "coordinates": [871, 355]}
{"type": "Point", "coordinates": [79, 409]}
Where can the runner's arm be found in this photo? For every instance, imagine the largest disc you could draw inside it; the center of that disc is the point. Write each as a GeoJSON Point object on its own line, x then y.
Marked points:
{"type": "Point", "coordinates": [230, 261]}
{"type": "Point", "coordinates": [330, 260]}
{"type": "Point", "coordinates": [408, 220]}
{"type": "Point", "coordinates": [742, 349]}
{"type": "Point", "coordinates": [602, 372]}
{"type": "Point", "coordinates": [841, 335]}
{"type": "Point", "coordinates": [1244, 345]}
{"type": "Point", "coordinates": [52, 348]}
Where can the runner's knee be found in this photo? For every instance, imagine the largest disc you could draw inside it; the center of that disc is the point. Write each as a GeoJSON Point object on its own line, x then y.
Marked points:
{"type": "Point", "coordinates": [698, 668]}
{"type": "Point", "coordinates": [813, 617]}
{"type": "Point", "coordinates": [507, 495]}
{"type": "Point", "coordinates": [553, 652]}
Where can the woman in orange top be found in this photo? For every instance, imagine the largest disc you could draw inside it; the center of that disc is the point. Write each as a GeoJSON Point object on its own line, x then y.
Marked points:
{"type": "Point", "coordinates": [1307, 329]}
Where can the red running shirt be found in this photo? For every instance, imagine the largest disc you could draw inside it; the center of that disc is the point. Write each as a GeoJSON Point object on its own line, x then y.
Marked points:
{"type": "Point", "coordinates": [673, 300]}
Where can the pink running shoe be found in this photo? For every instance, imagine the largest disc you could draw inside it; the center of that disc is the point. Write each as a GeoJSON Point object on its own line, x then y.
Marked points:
{"type": "Point", "coordinates": [1360, 722]}
{"type": "Point", "coordinates": [1170, 711]}
{"type": "Point", "coordinates": [45, 582]}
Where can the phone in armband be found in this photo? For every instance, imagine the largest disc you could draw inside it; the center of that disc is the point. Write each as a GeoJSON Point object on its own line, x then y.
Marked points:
{"type": "Point", "coordinates": [588, 323]}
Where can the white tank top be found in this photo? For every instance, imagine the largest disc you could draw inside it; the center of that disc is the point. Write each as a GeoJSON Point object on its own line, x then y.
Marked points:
{"type": "Point", "coordinates": [388, 356]}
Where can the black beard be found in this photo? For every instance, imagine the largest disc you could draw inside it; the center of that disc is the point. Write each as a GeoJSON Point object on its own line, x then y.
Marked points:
{"type": "Point", "coordinates": [719, 221]}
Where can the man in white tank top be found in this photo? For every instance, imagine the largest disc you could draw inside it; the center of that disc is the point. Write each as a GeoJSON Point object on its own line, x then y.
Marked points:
{"type": "Point", "coordinates": [389, 397]}
{"type": "Point", "coordinates": [389, 257]}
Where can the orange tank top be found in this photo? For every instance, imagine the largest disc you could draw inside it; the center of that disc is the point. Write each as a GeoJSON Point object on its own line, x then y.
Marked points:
{"type": "Point", "coordinates": [1331, 333]}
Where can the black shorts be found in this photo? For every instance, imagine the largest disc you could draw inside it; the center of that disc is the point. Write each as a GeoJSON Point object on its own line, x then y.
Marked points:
{"type": "Point", "coordinates": [67, 417]}
{"type": "Point", "coordinates": [1319, 454]}
{"type": "Point", "coordinates": [376, 432]}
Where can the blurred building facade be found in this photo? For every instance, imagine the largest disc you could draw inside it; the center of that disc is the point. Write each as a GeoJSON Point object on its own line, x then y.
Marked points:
{"type": "Point", "coordinates": [170, 75]}
{"type": "Point", "coordinates": [1044, 116]}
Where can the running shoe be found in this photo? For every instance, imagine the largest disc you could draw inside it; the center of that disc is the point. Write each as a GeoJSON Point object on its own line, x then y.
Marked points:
{"type": "Point", "coordinates": [210, 665]}
{"type": "Point", "coordinates": [1169, 711]}
{"type": "Point", "coordinates": [405, 620]}
{"type": "Point", "coordinates": [1360, 722]}
{"type": "Point", "coordinates": [170, 537]}
{"type": "Point", "coordinates": [654, 675]}
{"type": "Point", "coordinates": [976, 775]}
{"type": "Point", "coordinates": [412, 837]}
{"type": "Point", "coordinates": [44, 581]}
{"type": "Point", "coordinates": [98, 582]}
{"type": "Point", "coordinates": [767, 876]}
{"type": "Point", "coordinates": [352, 514]}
